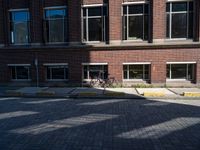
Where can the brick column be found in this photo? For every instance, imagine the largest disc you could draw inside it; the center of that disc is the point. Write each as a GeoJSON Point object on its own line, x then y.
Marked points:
{"type": "Point", "coordinates": [36, 22]}
{"type": "Point", "coordinates": [159, 20]}
{"type": "Point", "coordinates": [5, 22]}
{"type": "Point", "coordinates": [196, 31]}
{"type": "Point", "coordinates": [115, 21]}
{"type": "Point", "coordinates": [198, 73]}
{"type": "Point", "coordinates": [158, 72]}
{"type": "Point", "coordinates": [1, 24]}
{"type": "Point", "coordinates": [74, 19]}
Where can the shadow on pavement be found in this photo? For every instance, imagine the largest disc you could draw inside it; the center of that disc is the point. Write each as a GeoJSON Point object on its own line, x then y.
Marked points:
{"type": "Point", "coordinates": [97, 124]}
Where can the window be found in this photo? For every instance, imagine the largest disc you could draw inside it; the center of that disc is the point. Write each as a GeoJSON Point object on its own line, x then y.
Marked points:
{"type": "Point", "coordinates": [55, 25]}
{"type": "Point", "coordinates": [94, 71]}
{"type": "Point", "coordinates": [179, 20]}
{"type": "Point", "coordinates": [20, 72]}
{"type": "Point", "coordinates": [57, 72]}
{"type": "Point", "coordinates": [136, 71]}
{"type": "Point", "coordinates": [135, 22]}
{"type": "Point", "coordinates": [94, 23]}
{"type": "Point", "coordinates": [181, 71]}
{"type": "Point", "coordinates": [19, 27]}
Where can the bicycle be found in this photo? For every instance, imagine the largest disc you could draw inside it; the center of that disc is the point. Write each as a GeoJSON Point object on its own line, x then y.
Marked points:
{"type": "Point", "coordinates": [104, 83]}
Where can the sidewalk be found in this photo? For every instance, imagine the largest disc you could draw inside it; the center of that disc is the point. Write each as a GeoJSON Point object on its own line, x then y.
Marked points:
{"type": "Point", "coordinates": [79, 92]}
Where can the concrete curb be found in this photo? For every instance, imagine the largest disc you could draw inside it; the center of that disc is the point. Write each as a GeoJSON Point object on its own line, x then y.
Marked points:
{"type": "Point", "coordinates": [103, 97]}
{"type": "Point", "coordinates": [154, 94]}
{"type": "Point", "coordinates": [191, 94]}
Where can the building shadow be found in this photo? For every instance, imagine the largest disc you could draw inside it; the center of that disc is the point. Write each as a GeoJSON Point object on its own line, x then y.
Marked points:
{"type": "Point", "coordinates": [123, 124]}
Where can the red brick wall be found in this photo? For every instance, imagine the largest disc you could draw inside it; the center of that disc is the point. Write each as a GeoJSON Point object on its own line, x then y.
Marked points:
{"type": "Point", "coordinates": [159, 19]}
{"type": "Point", "coordinates": [115, 22]}
{"type": "Point", "coordinates": [115, 59]}
{"type": "Point", "coordinates": [36, 25]}
{"type": "Point", "coordinates": [1, 23]}
{"type": "Point", "coordinates": [74, 8]}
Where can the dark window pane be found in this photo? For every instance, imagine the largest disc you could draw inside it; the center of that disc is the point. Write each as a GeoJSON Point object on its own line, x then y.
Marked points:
{"type": "Point", "coordinates": [146, 72]}
{"type": "Point", "coordinates": [84, 12]}
{"type": "Point", "coordinates": [125, 74]}
{"type": "Point", "coordinates": [95, 11]}
{"type": "Point", "coordinates": [168, 7]}
{"type": "Point", "coordinates": [56, 30]}
{"type": "Point", "coordinates": [168, 26]}
{"type": "Point", "coordinates": [66, 73]}
{"type": "Point", "coordinates": [136, 9]}
{"type": "Point", "coordinates": [146, 9]}
{"type": "Point", "coordinates": [57, 73]}
{"type": "Point", "coordinates": [179, 25]}
{"type": "Point", "coordinates": [22, 73]}
{"type": "Point", "coordinates": [125, 67]}
{"type": "Point", "coordinates": [168, 71]}
{"type": "Point", "coordinates": [13, 73]}
{"type": "Point", "coordinates": [48, 73]}
{"type": "Point", "coordinates": [190, 27]}
{"type": "Point", "coordinates": [191, 6]}
{"type": "Point", "coordinates": [105, 11]}
{"type": "Point", "coordinates": [179, 71]}
{"type": "Point", "coordinates": [146, 27]}
{"type": "Point", "coordinates": [125, 10]}
{"type": "Point", "coordinates": [124, 28]}
{"type": "Point", "coordinates": [179, 6]}
{"type": "Point", "coordinates": [191, 71]}
{"type": "Point", "coordinates": [95, 29]}
{"type": "Point", "coordinates": [84, 30]}
{"type": "Point", "coordinates": [136, 72]}
{"type": "Point", "coordinates": [20, 33]}
{"type": "Point", "coordinates": [136, 27]}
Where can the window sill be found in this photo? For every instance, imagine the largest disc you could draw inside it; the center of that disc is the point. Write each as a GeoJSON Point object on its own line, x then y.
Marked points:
{"type": "Point", "coordinates": [135, 80]}
{"type": "Point", "coordinates": [178, 80]}
{"type": "Point", "coordinates": [26, 44]}
{"type": "Point", "coordinates": [21, 80]}
{"type": "Point", "coordinates": [57, 80]}
{"type": "Point", "coordinates": [98, 43]}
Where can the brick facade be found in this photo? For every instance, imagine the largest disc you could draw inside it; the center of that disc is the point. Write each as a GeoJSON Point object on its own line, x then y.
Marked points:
{"type": "Point", "coordinates": [157, 51]}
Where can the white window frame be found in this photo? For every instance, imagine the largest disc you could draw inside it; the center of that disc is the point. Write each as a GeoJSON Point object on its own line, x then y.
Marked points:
{"type": "Point", "coordinates": [12, 39]}
{"type": "Point", "coordinates": [136, 63]}
{"type": "Point", "coordinates": [127, 4]}
{"type": "Point", "coordinates": [64, 22]}
{"type": "Point", "coordinates": [54, 65]}
{"type": "Point", "coordinates": [170, 13]}
{"type": "Point", "coordinates": [88, 17]}
{"type": "Point", "coordinates": [15, 67]}
{"type": "Point", "coordinates": [187, 69]}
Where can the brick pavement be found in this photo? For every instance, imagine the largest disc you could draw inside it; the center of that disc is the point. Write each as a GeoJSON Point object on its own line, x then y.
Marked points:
{"type": "Point", "coordinates": [88, 124]}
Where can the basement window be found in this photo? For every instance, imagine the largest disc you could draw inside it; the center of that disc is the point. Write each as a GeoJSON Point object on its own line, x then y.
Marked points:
{"type": "Point", "coordinates": [57, 72]}
{"type": "Point", "coordinates": [95, 71]}
{"type": "Point", "coordinates": [20, 72]}
{"type": "Point", "coordinates": [136, 72]}
{"type": "Point", "coordinates": [180, 72]}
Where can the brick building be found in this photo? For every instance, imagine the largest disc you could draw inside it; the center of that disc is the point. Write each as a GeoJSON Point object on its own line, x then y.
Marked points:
{"type": "Point", "coordinates": [60, 42]}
